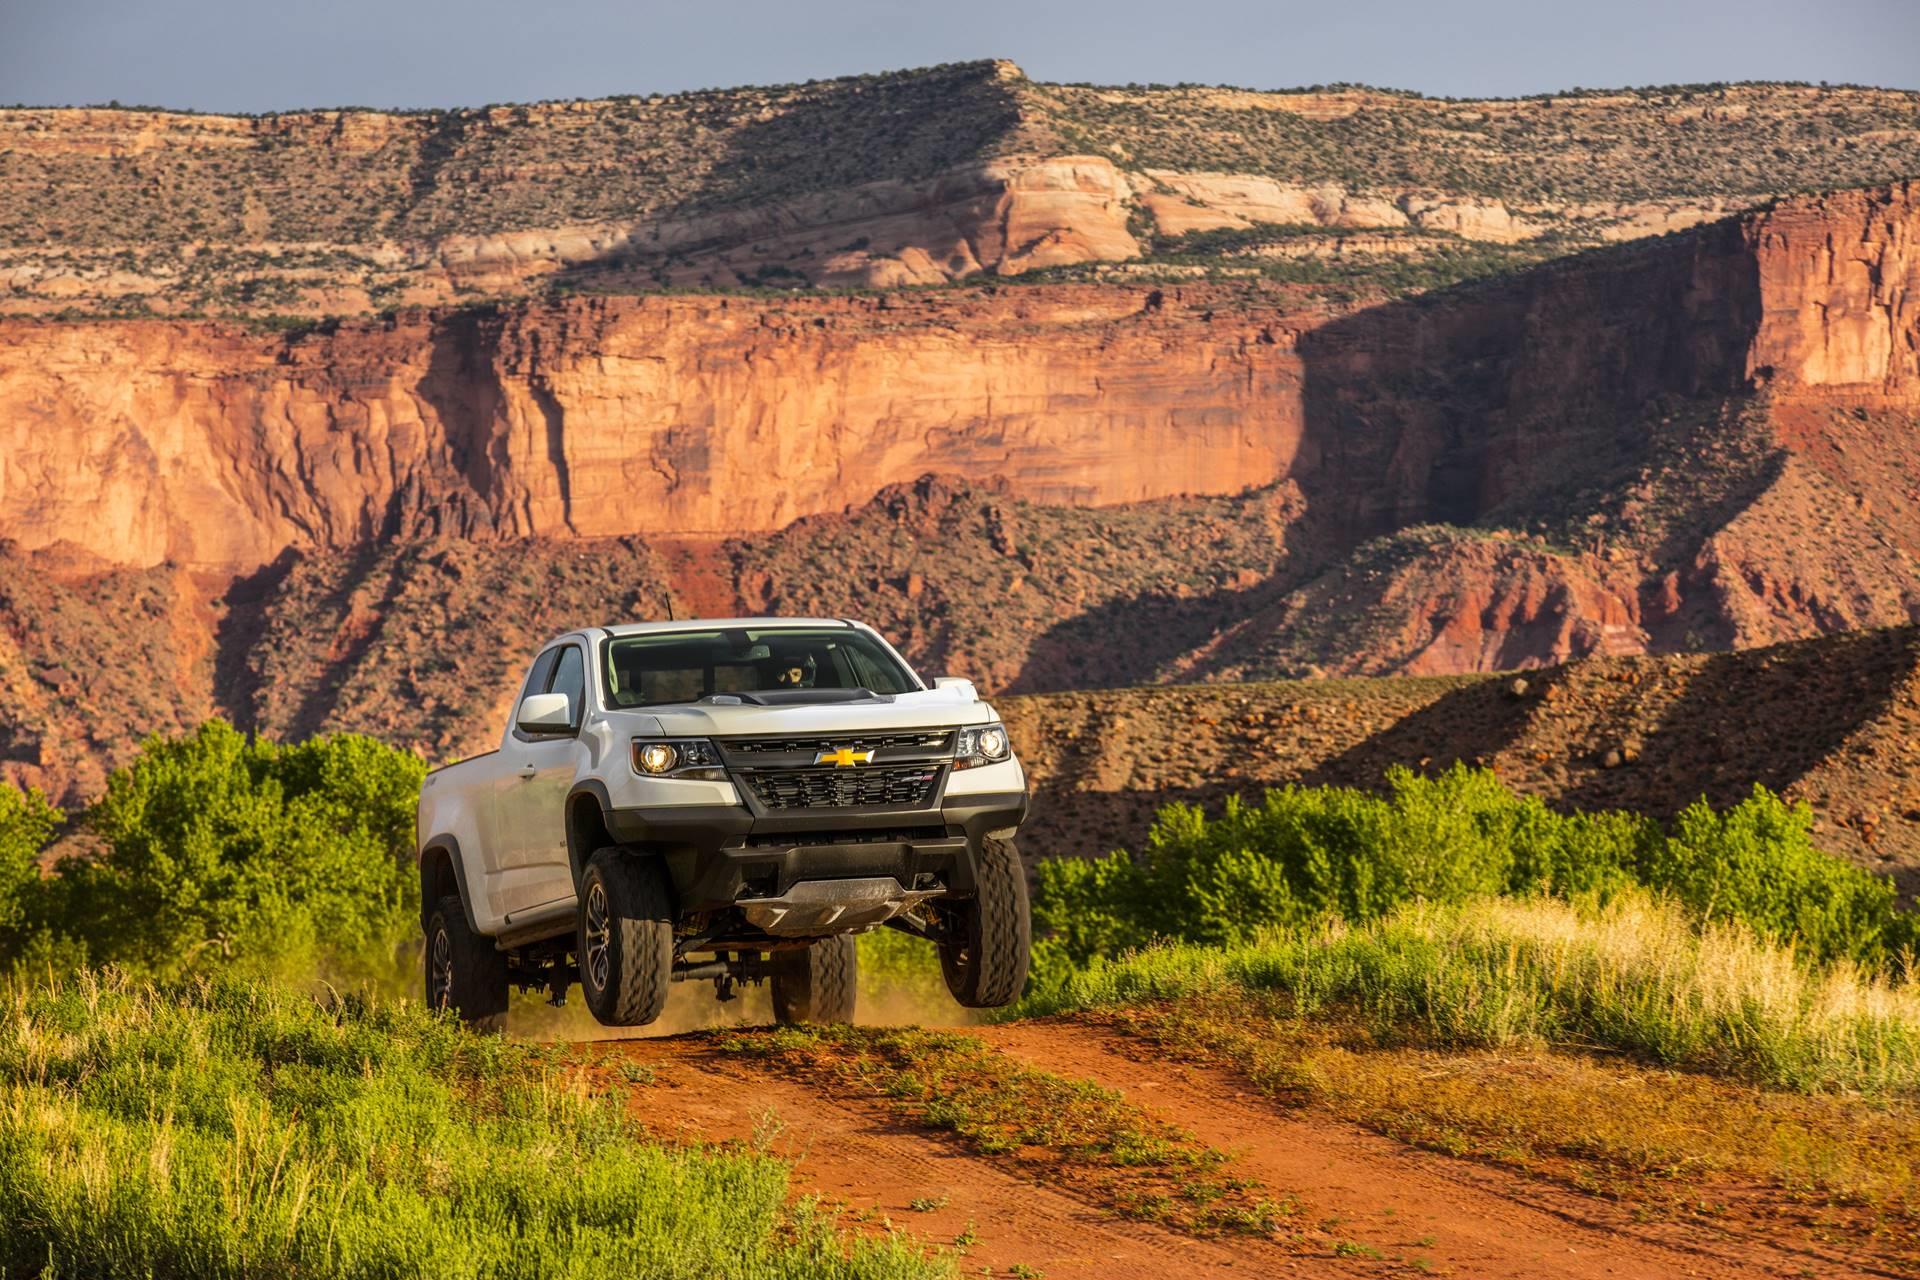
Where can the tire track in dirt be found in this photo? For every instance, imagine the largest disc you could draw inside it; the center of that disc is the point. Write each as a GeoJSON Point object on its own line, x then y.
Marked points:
{"type": "Point", "coordinates": [856, 1152]}
{"type": "Point", "coordinates": [1464, 1217]}
{"type": "Point", "coordinates": [1393, 1209]}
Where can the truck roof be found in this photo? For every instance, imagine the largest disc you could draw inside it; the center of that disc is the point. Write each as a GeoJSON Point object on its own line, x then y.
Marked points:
{"type": "Point", "coordinates": [718, 624]}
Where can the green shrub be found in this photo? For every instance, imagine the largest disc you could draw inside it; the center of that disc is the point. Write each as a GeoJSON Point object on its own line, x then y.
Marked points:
{"type": "Point", "coordinates": [27, 821]}
{"type": "Point", "coordinates": [1756, 863]}
{"type": "Point", "coordinates": [1307, 853]}
{"type": "Point", "coordinates": [223, 852]}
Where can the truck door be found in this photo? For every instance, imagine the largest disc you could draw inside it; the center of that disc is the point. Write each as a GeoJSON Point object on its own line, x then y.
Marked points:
{"type": "Point", "coordinates": [493, 799]}
{"type": "Point", "coordinates": [533, 794]}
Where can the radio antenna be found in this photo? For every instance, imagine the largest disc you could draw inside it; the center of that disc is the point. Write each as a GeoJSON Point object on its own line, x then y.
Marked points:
{"type": "Point", "coordinates": [670, 617]}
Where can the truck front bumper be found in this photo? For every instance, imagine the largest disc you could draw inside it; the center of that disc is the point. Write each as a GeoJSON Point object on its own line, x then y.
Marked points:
{"type": "Point", "coordinates": [724, 856]}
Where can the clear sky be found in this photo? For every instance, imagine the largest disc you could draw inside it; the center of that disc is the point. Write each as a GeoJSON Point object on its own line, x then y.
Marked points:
{"type": "Point", "coordinates": [260, 55]}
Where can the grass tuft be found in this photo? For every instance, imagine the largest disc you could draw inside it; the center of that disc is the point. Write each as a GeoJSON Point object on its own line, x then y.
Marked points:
{"type": "Point", "coordinates": [220, 1130]}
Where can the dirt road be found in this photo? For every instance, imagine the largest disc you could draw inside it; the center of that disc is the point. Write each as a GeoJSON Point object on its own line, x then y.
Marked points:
{"type": "Point", "coordinates": [1363, 1204]}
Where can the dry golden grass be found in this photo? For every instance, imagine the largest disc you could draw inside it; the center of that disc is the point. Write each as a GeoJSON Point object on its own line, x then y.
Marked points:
{"type": "Point", "coordinates": [1633, 976]}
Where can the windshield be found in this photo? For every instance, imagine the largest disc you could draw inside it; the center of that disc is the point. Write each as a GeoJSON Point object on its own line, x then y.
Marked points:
{"type": "Point", "coordinates": [685, 666]}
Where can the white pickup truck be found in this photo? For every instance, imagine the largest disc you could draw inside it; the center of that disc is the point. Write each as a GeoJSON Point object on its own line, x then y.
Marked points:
{"type": "Point", "coordinates": [730, 800]}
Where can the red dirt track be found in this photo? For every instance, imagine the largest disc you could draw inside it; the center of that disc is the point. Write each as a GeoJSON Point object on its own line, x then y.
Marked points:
{"type": "Point", "coordinates": [1394, 1209]}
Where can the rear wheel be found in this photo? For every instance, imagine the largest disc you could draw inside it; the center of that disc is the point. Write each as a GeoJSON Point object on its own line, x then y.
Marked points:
{"type": "Point", "coordinates": [625, 942]}
{"type": "Point", "coordinates": [464, 972]}
{"type": "Point", "coordinates": [984, 957]}
{"type": "Point", "coordinates": [819, 984]}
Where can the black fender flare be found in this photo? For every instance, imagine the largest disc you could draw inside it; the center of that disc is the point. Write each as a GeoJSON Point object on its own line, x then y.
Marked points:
{"type": "Point", "coordinates": [448, 847]}
{"type": "Point", "coordinates": [584, 839]}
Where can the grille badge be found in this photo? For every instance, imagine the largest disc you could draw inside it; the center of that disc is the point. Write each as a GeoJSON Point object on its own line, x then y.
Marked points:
{"type": "Point", "coordinates": [844, 758]}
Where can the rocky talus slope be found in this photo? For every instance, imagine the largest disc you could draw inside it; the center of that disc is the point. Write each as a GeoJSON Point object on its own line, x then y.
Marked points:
{"type": "Point", "coordinates": [1833, 721]}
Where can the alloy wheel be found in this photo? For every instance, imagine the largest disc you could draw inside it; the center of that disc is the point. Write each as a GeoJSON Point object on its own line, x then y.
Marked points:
{"type": "Point", "coordinates": [440, 970]}
{"type": "Point", "coordinates": [597, 964]}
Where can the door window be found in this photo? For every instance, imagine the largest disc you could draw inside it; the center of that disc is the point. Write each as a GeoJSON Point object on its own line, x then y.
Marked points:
{"type": "Point", "coordinates": [544, 678]}
{"type": "Point", "coordinates": [570, 678]}
{"type": "Point", "coordinates": [537, 677]}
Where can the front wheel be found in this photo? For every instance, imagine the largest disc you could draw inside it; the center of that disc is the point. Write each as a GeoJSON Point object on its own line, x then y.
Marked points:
{"type": "Point", "coordinates": [625, 943]}
{"type": "Point", "coordinates": [819, 984]}
{"type": "Point", "coordinates": [984, 955]}
{"type": "Point", "coordinates": [464, 972]}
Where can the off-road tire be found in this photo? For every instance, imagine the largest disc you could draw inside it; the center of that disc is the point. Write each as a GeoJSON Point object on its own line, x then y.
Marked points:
{"type": "Point", "coordinates": [462, 970]}
{"type": "Point", "coordinates": [817, 985]}
{"type": "Point", "coordinates": [984, 958]}
{"type": "Point", "coordinates": [624, 944]}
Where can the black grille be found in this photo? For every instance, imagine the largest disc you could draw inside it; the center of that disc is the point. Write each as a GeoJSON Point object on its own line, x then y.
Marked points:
{"type": "Point", "coordinates": [904, 787]}
{"type": "Point", "coordinates": [938, 742]}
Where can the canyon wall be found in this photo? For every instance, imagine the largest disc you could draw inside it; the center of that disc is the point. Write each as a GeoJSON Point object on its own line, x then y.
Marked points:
{"type": "Point", "coordinates": [145, 442]}
{"type": "Point", "coordinates": [1839, 279]}
{"type": "Point", "coordinates": [142, 442]}
{"type": "Point", "coordinates": [1699, 441]}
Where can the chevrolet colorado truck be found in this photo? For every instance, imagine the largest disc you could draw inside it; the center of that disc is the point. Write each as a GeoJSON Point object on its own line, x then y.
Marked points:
{"type": "Point", "coordinates": [726, 800]}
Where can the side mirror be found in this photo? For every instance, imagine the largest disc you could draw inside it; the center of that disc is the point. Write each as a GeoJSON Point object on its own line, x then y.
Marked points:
{"type": "Point", "coordinates": [545, 713]}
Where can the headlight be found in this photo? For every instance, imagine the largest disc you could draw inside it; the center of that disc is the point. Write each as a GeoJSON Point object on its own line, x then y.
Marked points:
{"type": "Point", "coordinates": [677, 758]}
{"type": "Point", "coordinates": [983, 744]}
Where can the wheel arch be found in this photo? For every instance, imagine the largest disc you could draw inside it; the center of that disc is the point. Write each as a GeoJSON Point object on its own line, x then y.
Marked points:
{"type": "Point", "coordinates": [587, 829]}
{"type": "Point", "coordinates": [442, 871]}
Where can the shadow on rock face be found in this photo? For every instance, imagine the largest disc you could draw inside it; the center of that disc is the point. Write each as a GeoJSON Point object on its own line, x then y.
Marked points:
{"type": "Point", "coordinates": [1131, 641]}
{"type": "Point", "coordinates": [1770, 716]}
{"type": "Point", "coordinates": [1470, 725]}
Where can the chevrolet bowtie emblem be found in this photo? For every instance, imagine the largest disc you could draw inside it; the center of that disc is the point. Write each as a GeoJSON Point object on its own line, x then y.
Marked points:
{"type": "Point", "coordinates": [843, 758]}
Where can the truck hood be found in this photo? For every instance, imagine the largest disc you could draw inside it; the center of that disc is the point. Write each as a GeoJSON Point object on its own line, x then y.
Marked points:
{"type": "Point", "coordinates": [922, 709]}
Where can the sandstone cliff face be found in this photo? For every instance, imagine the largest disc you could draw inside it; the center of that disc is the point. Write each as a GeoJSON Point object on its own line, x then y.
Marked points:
{"type": "Point", "coordinates": [1663, 448]}
{"type": "Point", "coordinates": [1002, 217]}
{"type": "Point", "coordinates": [148, 442]}
{"type": "Point", "coordinates": [1840, 278]}
{"type": "Point", "coordinates": [1186, 202]}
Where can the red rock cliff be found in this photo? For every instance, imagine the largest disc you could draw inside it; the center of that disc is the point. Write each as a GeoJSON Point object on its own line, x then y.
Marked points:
{"type": "Point", "coordinates": [150, 441]}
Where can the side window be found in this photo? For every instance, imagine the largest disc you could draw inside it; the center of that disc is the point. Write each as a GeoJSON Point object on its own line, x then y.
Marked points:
{"type": "Point", "coordinates": [537, 677]}
{"type": "Point", "coordinates": [570, 678]}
